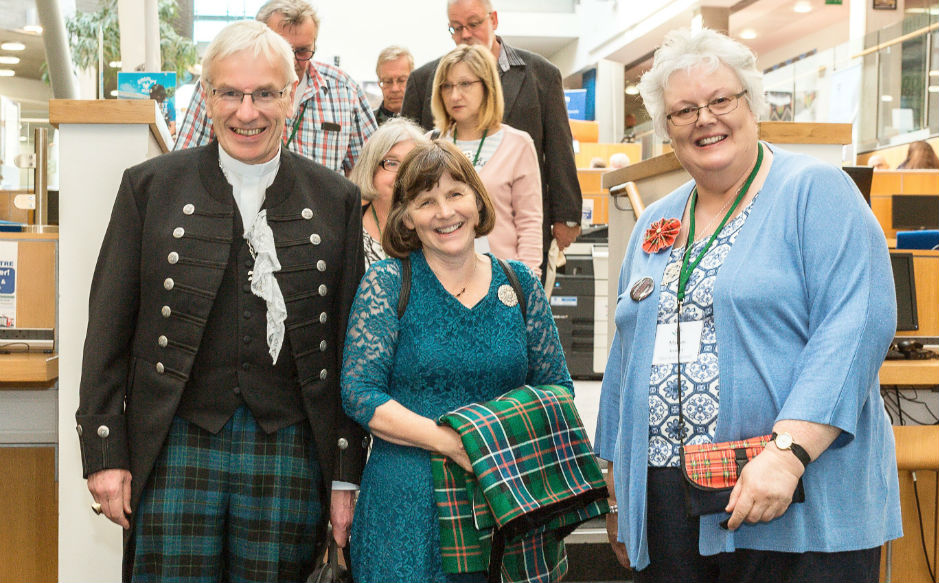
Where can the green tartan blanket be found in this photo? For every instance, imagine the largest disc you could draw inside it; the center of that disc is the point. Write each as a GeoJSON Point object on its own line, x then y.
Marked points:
{"type": "Point", "coordinates": [535, 480]}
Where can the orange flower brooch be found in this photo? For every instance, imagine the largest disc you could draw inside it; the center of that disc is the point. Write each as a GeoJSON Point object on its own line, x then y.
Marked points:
{"type": "Point", "coordinates": [660, 235]}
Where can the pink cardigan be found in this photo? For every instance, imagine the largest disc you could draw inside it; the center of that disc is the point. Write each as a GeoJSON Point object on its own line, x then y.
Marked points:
{"type": "Point", "coordinates": [513, 179]}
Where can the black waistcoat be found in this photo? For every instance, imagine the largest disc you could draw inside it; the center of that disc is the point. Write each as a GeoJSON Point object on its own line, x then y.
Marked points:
{"type": "Point", "coordinates": [233, 366]}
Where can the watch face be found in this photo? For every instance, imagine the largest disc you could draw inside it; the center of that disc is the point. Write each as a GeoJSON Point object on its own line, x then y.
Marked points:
{"type": "Point", "coordinates": [783, 441]}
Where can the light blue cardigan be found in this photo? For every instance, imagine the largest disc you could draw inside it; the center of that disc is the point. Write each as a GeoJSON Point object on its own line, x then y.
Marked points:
{"type": "Point", "coordinates": [804, 310]}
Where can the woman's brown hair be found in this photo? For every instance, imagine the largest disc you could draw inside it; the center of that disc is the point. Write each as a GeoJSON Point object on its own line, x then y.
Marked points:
{"type": "Point", "coordinates": [420, 171]}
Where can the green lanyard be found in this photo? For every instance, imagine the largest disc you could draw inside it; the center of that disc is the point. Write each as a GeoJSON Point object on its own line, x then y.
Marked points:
{"type": "Point", "coordinates": [296, 125]}
{"type": "Point", "coordinates": [687, 269]}
{"type": "Point", "coordinates": [375, 216]}
{"type": "Point", "coordinates": [479, 149]}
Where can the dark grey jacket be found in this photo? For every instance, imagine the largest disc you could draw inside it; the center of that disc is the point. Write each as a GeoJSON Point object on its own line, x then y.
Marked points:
{"type": "Point", "coordinates": [172, 220]}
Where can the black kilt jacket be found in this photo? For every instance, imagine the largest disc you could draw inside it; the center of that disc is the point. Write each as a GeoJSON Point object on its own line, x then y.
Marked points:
{"type": "Point", "coordinates": [160, 266]}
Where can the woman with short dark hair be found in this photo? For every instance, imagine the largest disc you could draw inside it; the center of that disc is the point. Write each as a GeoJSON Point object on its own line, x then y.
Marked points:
{"type": "Point", "coordinates": [461, 338]}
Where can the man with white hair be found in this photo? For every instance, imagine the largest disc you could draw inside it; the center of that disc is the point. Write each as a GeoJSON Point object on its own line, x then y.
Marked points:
{"type": "Point", "coordinates": [332, 118]}
{"type": "Point", "coordinates": [393, 68]}
{"type": "Point", "coordinates": [209, 414]}
{"type": "Point", "coordinates": [534, 103]}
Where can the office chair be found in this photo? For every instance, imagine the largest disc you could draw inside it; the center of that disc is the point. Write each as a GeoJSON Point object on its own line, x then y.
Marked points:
{"type": "Point", "coordinates": [924, 239]}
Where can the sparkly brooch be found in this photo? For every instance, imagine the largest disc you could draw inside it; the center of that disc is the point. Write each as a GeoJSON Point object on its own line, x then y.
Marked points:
{"type": "Point", "coordinates": [660, 235]}
{"type": "Point", "coordinates": [507, 295]}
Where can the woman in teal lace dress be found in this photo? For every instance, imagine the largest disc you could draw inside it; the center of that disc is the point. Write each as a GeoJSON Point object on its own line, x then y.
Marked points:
{"type": "Point", "coordinates": [463, 338]}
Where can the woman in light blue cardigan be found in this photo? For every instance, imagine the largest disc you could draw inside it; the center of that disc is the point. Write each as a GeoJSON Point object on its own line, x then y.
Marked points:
{"type": "Point", "coordinates": [785, 322]}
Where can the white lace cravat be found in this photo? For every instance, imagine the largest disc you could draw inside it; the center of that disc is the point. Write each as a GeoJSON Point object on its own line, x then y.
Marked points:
{"type": "Point", "coordinates": [263, 283]}
{"type": "Point", "coordinates": [249, 182]}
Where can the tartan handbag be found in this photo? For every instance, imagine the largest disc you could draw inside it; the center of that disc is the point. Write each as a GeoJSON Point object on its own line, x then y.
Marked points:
{"type": "Point", "coordinates": [710, 471]}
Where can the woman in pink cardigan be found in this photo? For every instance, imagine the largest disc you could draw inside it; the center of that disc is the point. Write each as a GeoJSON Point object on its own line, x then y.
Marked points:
{"type": "Point", "coordinates": [467, 105]}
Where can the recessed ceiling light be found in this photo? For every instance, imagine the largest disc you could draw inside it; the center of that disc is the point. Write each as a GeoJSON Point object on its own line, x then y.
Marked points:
{"type": "Point", "coordinates": [115, 64]}
{"type": "Point", "coordinates": [802, 6]}
{"type": "Point", "coordinates": [13, 46]}
{"type": "Point", "coordinates": [934, 73]}
{"type": "Point", "coordinates": [7, 72]}
{"type": "Point", "coordinates": [8, 60]}
{"type": "Point", "coordinates": [32, 29]}
{"type": "Point", "coordinates": [886, 98]}
{"type": "Point", "coordinates": [631, 89]}
{"type": "Point", "coordinates": [114, 93]}
{"type": "Point", "coordinates": [748, 34]}
{"type": "Point", "coordinates": [933, 89]}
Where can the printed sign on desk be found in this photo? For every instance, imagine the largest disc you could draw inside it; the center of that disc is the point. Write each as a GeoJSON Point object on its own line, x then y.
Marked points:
{"type": "Point", "coordinates": [8, 252]}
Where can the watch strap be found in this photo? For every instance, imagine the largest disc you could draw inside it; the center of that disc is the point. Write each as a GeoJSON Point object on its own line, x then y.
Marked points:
{"type": "Point", "coordinates": [797, 450]}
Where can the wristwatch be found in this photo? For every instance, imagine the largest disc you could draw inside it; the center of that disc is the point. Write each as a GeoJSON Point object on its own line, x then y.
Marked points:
{"type": "Point", "coordinates": [784, 441]}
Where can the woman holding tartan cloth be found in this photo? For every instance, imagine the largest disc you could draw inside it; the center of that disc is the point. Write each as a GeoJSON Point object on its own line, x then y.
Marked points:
{"type": "Point", "coordinates": [756, 300]}
{"type": "Point", "coordinates": [462, 338]}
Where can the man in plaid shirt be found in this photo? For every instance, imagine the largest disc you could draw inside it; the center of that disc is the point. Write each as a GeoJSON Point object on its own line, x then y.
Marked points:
{"type": "Point", "coordinates": [332, 119]}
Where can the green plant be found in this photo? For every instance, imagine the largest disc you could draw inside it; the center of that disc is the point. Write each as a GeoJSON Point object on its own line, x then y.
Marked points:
{"type": "Point", "coordinates": [177, 52]}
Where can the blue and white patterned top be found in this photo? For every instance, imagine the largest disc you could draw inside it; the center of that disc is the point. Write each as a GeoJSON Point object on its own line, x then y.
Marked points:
{"type": "Point", "coordinates": [700, 381]}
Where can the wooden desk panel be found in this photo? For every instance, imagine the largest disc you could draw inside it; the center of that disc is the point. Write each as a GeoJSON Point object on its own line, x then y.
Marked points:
{"type": "Point", "coordinates": [29, 529]}
{"type": "Point", "coordinates": [887, 183]}
{"type": "Point", "coordinates": [591, 188]}
{"type": "Point", "coordinates": [33, 367]}
{"type": "Point", "coordinates": [926, 278]}
{"type": "Point", "coordinates": [910, 372]}
{"type": "Point", "coordinates": [35, 278]}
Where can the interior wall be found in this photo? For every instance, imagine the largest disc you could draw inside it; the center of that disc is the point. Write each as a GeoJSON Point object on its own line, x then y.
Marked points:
{"type": "Point", "coordinates": [422, 28]}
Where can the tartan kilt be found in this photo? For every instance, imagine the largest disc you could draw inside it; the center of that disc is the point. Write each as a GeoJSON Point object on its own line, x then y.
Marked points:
{"type": "Point", "coordinates": [239, 505]}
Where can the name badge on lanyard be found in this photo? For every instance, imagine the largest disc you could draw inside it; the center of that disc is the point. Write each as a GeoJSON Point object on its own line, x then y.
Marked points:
{"type": "Point", "coordinates": [666, 349]}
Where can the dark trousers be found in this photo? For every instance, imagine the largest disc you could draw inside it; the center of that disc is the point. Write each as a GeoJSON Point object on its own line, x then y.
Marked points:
{"type": "Point", "coordinates": [239, 506]}
{"type": "Point", "coordinates": [673, 550]}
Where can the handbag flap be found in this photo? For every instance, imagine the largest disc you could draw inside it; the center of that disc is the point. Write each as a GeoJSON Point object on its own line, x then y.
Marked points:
{"type": "Point", "coordinates": [714, 466]}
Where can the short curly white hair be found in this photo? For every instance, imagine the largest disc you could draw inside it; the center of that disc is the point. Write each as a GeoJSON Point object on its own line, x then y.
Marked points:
{"type": "Point", "coordinates": [684, 49]}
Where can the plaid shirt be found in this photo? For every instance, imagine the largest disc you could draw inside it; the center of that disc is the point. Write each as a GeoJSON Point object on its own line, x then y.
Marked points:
{"type": "Point", "coordinates": [535, 480]}
{"type": "Point", "coordinates": [336, 119]}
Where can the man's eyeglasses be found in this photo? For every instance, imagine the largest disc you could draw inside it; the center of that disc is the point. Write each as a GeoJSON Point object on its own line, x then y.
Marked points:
{"type": "Point", "coordinates": [463, 86]}
{"type": "Point", "coordinates": [390, 164]}
{"type": "Point", "coordinates": [303, 54]}
{"type": "Point", "coordinates": [392, 82]}
{"type": "Point", "coordinates": [472, 25]}
{"type": "Point", "coordinates": [260, 97]}
{"type": "Point", "coordinates": [718, 106]}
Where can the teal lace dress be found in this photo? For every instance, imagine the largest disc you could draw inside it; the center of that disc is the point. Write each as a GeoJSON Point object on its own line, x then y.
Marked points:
{"type": "Point", "coordinates": [439, 356]}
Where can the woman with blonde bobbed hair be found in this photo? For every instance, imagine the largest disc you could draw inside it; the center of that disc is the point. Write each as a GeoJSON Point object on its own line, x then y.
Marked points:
{"type": "Point", "coordinates": [755, 303]}
{"type": "Point", "coordinates": [467, 104]}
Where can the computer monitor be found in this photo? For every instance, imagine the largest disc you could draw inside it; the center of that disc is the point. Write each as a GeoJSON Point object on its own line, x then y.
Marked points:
{"type": "Point", "coordinates": [862, 176]}
{"type": "Point", "coordinates": [906, 291]}
{"type": "Point", "coordinates": [915, 211]}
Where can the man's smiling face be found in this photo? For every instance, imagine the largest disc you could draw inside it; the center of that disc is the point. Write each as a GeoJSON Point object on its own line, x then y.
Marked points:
{"type": "Point", "coordinates": [248, 131]}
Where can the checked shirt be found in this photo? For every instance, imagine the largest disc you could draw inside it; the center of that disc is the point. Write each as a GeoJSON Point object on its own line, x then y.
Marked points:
{"type": "Point", "coordinates": [535, 480]}
{"type": "Point", "coordinates": [336, 119]}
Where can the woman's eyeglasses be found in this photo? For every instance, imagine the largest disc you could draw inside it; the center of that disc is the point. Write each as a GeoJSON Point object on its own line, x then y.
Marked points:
{"type": "Point", "coordinates": [390, 164]}
{"type": "Point", "coordinates": [718, 106]}
{"type": "Point", "coordinates": [463, 86]}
